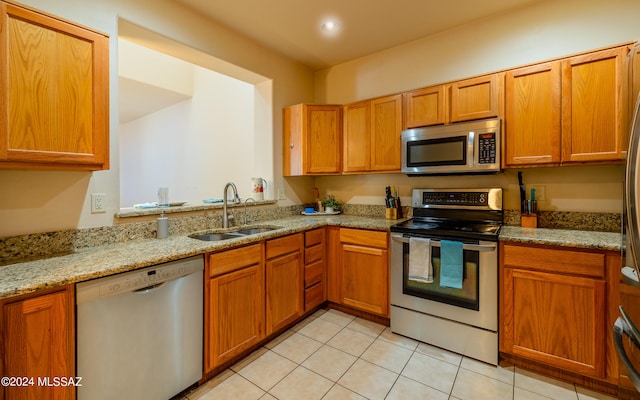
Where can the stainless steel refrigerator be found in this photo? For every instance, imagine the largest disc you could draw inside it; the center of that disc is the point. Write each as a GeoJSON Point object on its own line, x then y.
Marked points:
{"type": "Point", "coordinates": [625, 334]}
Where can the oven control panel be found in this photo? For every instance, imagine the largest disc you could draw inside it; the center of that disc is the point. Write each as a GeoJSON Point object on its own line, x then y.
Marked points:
{"type": "Point", "coordinates": [455, 198]}
{"type": "Point", "coordinates": [458, 198]}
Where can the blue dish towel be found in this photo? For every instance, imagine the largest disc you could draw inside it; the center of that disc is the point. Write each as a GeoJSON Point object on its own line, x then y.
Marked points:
{"type": "Point", "coordinates": [451, 264]}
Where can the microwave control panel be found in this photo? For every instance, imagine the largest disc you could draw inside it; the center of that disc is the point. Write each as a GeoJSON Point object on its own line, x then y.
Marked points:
{"type": "Point", "coordinates": [487, 148]}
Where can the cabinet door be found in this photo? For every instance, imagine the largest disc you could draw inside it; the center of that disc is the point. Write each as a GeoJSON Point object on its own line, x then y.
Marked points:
{"type": "Point", "coordinates": [37, 341]}
{"type": "Point", "coordinates": [236, 320]}
{"type": "Point", "coordinates": [365, 278]}
{"type": "Point", "coordinates": [532, 123]}
{"type": "Point", "coordinates": [477, 98]}
{"type": "Point", "coordinates": [357, 137]}
{"type": "Point", "coordinates": [424, 107]}
{"type": "Point", "coordinates": [386, 131]}
{"type": "Point", "coordinates": [323, 137]}
{"type": "Point", "coordinates": [55, 95]}
{"type": "Point", "coordinates": [555, 319]}
{"type": "Point", "coordinates": [593, 106]}
{"type": "Point", "coordinates": [312, 140]}
{"type": "Point", "coordinates": [285, 291]}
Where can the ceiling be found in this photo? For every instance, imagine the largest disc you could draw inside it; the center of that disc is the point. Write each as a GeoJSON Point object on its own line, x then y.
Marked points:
{"type": "Point", "coordinates": [292, 27]}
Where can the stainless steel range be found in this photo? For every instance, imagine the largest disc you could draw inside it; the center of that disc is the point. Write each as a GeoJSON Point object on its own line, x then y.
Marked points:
{"type": "Point", "coordinates": [444, 271]}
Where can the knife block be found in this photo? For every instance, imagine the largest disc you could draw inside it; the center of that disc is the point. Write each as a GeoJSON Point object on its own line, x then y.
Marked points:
{"type": "Point", "coordinates": [529, 220]}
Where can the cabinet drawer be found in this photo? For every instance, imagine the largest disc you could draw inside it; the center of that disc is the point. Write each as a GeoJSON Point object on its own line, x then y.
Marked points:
{"type": "Point", "coordinates": [554, 260]}
{"type": "Point", "coordinates": [231, 260]}
{"type": "Point", "coordinates": [363, 237]}
{"type": "Point", "coordinates": [313, 237]}
{"type": "Point", "coordinates": [284, 245]}
{"type": "Point", "coordinates": [314, 296]}
{"type": "Point", "coordinates": [314, 253]}
{"type": "Point", "coordinates": [313, 273]}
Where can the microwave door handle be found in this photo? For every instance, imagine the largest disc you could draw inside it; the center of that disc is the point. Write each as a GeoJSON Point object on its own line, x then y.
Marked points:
{"type": "Point", "coordinates": [465, 246]}
{"type": "Point", "coordinates": [471, 148]}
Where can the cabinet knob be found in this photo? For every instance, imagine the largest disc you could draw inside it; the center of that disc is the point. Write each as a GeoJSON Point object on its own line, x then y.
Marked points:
{"type": "Point", "coordinates": [291, 146]}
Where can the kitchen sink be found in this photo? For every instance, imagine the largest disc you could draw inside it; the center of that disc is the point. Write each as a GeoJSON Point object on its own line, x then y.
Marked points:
{"type": "Point", "coordinates": [241, 232]}
{"type": "Point", "coordinates": [215, 237]}
{"type": "Point", "coordinates": [253, 231]}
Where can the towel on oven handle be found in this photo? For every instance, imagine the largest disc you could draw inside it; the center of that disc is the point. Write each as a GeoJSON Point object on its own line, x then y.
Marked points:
{"type": "Point", "coordinates": [420, 268]}
{"type": "Point", "coordinates": [451, 257]}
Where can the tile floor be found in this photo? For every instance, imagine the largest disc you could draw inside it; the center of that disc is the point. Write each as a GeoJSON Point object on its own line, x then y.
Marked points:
{"type": "Point", "coordinates": [333, 355]}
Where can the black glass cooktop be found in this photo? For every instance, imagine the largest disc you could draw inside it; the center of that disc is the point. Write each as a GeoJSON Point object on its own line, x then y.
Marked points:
{"type": "Point", "coordinates": [485, 230]}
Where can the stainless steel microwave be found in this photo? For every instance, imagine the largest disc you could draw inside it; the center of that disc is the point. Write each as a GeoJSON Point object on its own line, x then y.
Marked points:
{"type": "Point", "coordinates": [465, 147]}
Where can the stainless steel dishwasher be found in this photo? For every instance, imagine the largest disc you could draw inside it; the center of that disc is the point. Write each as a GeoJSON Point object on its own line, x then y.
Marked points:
{"type": "Point", "coordinates": [139, 334]}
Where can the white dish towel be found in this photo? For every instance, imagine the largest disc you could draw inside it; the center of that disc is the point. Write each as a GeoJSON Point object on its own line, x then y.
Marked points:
{"type": "Point", "coordinates": [420, 268]}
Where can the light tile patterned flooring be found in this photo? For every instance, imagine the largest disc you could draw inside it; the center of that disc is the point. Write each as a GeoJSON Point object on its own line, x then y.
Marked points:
{"type": "Point", "coordinates": [333, 355]}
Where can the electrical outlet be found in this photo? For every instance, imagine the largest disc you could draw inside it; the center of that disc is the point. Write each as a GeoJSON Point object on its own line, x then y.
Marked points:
{"type": "Point", "coordinates": [98, 203]}
{"type": "Point", "coordinates": [282, 195]}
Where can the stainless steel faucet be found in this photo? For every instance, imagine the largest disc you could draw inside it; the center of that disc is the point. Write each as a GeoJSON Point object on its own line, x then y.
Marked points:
{"type": "Point", "coordinates": [236, 199]}
{"type": "Point", "coordinates": [245, 207]}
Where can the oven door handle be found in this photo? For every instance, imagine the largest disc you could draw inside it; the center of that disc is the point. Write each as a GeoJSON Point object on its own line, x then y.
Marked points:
{"type": "Point", "coordinates": [465, 246]}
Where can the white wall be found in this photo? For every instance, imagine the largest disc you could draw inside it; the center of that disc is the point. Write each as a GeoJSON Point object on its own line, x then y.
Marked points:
{"type": "Point", "coordinates": [542, 31]}
{"type": "Point", "coordinates": [194, 147]}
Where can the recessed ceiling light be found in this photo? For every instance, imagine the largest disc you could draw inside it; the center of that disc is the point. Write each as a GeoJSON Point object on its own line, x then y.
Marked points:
{"type": "Point", "coordinates": [329, 26]}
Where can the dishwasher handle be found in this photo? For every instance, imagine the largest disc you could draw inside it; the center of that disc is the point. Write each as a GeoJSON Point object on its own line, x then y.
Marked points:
{"type": "Point", "coordinates": [149, 288]}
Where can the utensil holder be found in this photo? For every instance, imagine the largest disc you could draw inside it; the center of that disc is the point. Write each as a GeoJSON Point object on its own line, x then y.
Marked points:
{"type": "Point", "coordinates": [391, 213]}
{"type": "Point", "coordinates": [529, 220]}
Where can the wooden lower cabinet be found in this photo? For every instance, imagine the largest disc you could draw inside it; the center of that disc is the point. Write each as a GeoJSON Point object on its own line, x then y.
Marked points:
{"type": "Point", "coordinates": [234, 303]}
{"type": "Point", "coordinates": [554, 307]}
{"type": "Point", "coordinates": [38, 340]}
{"type": "Point", "coordinates": [363, 270]}
{"type": "Point", "coordinates": [314, 268]}
{"type": "Point", "coordinates": [284, 281]}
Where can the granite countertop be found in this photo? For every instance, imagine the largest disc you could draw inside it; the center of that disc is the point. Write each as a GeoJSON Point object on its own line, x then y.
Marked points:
{"type": "Point", "coordinates": [563, 237]}
{"type": "Point", "coordinates": [95, 262]}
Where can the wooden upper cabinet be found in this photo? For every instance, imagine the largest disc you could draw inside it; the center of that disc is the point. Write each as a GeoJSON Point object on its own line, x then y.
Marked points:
{"type": "Point", "coordinates": [357, 137]}
{"type": "Point", "coordinates": [477, 98]}
{"type": "Point", "coordinates": [424, 107]}
{"type": "Point", "coordinates": [54, 95]}
{"type": "Point", "coordinates": [386, 131]}
{"type": "Point", "coordinates": [533, 125]}
{"type": "Point", "coordinates": [312, 142]}
{"type": "Point", "coordinates": [372, 131]}
{"type": "Point", "coordinates": [568, 111]}
{"type": "Point", "coordinates": [593, 106]}
{"type": "Point", "coordinates": [465, 100]}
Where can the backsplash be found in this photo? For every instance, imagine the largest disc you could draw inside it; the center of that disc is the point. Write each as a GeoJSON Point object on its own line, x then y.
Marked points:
{"type": "Point", "coordinates": [582, 221]}
{"type": "Point", "coordinates": [39, 245]}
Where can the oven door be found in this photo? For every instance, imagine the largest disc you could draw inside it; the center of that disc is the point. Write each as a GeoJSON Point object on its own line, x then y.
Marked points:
{"type": "Point", "coordinates": [476, 304]}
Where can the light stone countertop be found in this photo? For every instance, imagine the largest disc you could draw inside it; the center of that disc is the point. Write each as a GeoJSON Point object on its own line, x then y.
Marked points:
{"type": "Point", "coordinates": [95, 262]}
{"type": "Point", "coordinates": [563, 237]}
